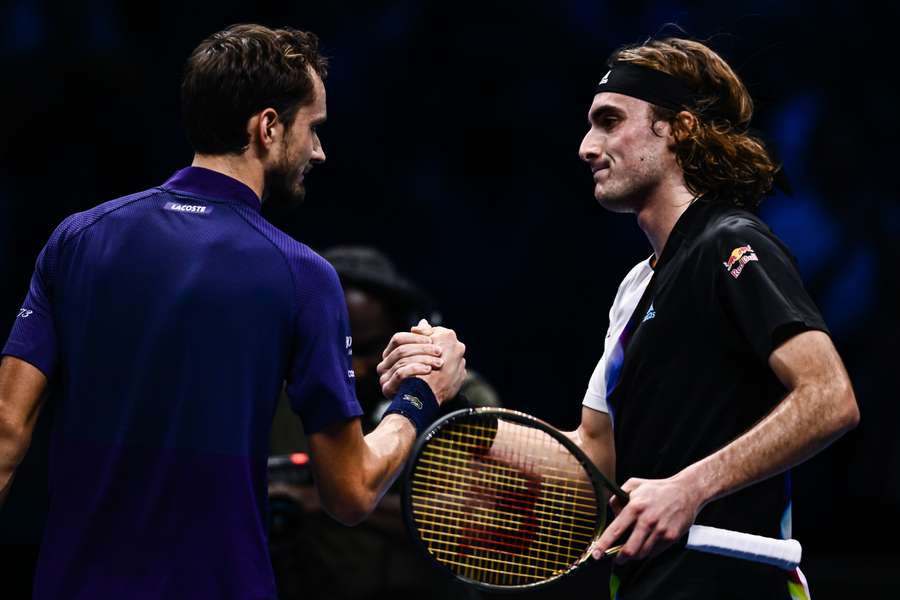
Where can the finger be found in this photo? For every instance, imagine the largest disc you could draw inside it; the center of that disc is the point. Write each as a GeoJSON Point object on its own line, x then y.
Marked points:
{"type": "Point", "coordinates": [632, 484]}
{"type": "Point", "coordinates": [411, 370]}
{"type": "Point", "coordinates": [616, 503]}
{"type": "Point", "coordinates": [407, 351]}
{"type": "Point", "coordinates": [650, 544]}
{"type": "Point", "coordinates": [433, 362]}
{"type": "Point", "coordinates": [634, 544]}
{"type": "Point", "coordinates": [426, 353]}
{"type": "Point", "coordinates": [404, 337]}
{"type": "Point", "coordinates": [423, 327]}
{"type": "Point", "coordinates": [443, 334]}
{"type": "Point", "coordinates": [618, 526]}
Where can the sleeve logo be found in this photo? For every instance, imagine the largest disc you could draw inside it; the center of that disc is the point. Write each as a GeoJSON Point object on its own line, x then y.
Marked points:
{"type": "Point", "coordinates": [739, 257]}
{"type": "Point", "coordinates": [24, 313]}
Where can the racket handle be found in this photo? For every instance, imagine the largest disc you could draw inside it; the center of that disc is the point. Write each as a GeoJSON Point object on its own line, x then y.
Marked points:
{"type": "Point", "coordinates": [781, 553]}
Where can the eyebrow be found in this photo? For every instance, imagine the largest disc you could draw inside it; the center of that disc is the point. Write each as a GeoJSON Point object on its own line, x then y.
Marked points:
{"type": "Point", "coordinates": [603, 110]}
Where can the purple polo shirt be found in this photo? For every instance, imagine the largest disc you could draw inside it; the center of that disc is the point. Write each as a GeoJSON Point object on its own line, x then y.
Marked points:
{"type": "Point", "coordinates": [170, 320]}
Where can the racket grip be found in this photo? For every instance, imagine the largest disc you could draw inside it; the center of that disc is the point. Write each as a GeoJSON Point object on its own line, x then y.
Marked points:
{"type": "Point", "coordinates": [781, 553]}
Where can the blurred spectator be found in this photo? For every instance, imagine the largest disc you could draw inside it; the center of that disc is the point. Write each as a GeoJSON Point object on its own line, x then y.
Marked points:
{"type": "Point", "coordinates": [313, 555]}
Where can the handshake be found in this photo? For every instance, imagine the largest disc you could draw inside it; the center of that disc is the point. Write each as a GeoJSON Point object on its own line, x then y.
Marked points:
{"type": "Point", "coordinates": [432, 354]}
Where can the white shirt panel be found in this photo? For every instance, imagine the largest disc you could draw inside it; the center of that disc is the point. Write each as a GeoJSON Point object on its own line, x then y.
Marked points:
{"type": "Point", "coordinates": [630, 291]}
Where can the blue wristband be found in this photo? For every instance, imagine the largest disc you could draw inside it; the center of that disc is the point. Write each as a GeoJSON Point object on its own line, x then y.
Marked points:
{"type": "Point", "coordinates": [415, 401]}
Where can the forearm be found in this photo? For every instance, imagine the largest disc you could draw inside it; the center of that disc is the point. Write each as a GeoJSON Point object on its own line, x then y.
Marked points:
{"type": "Point", "coordinates": [807, 420]}
{"type": "Point", "coordinates": [15, 437]}
{"type": "Point", "coordinates": [21, 389]}
{"type": "Point", "coordinates": [386, 449]}
{"type": "Point", "coordinates": [352, 472]}
{"type": "Point", "coordinates": [11, 451]}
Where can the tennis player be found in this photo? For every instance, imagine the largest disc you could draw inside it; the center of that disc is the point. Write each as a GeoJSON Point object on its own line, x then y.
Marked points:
{"type": "Point", "coordinates": [718, 373]}
{"type": "Point", "coordinates": [169, 320]}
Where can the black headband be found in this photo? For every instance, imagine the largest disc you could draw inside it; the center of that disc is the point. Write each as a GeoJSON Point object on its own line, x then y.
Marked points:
{"type": "Point", "coordinates": [648, 85]}
{"type": "Point", "coordinates": [666, 91]}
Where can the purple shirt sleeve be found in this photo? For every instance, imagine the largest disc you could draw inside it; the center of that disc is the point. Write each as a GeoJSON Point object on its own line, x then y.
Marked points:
{"type": "Point", "coordinates": [33, 336]}
{"type": "Point", "coordinates": [320, 382]}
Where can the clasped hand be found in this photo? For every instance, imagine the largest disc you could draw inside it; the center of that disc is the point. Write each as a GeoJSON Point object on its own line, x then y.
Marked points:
{"type": "Point", "coordinates": [430, 353]}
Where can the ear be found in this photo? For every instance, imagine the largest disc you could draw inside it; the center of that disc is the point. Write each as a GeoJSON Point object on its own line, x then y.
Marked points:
{"type": "Point", "coordinates": [685, 122]}
{"type": "Point", "coordinates": [266, 127]}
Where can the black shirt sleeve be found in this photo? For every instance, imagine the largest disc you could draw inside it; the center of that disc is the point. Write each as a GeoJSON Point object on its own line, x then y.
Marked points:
{"type": "Point", "coordinates": [760, 286]}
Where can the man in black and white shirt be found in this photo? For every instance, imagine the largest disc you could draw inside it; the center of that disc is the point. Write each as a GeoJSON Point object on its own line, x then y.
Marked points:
{"type": "Point", "coordinates": [718, 373]}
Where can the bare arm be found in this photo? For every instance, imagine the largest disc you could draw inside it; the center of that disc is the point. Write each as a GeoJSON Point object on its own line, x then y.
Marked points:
{"type": "Point", "coordinates": [21, 389]}
{"type": "Point", "coordinates": [352, 472]}
{"type": "Point", "coordinates": [819, 407]}
{"type": "Point", "coordinates": [595, 437]}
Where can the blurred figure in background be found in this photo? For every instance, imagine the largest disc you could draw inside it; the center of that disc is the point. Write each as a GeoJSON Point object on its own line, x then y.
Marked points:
{"type": "Point", "coordinates": [312, 553]}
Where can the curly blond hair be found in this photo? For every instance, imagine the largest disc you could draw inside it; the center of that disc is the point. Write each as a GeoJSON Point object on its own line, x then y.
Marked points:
{"type": "Point", "coordinates": [716, 153]}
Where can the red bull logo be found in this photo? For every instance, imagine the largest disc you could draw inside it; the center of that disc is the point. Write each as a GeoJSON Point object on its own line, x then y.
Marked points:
{"type": "Point", "coordinates": [739, 257]}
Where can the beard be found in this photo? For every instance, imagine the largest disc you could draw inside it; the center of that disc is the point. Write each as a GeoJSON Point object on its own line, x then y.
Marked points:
{"type": "Point", "coordinates": [282, 186]}
{"type": "Point", "coordinates": [624, 198]}
{"type": "Point", "coordinates": [628, 194]}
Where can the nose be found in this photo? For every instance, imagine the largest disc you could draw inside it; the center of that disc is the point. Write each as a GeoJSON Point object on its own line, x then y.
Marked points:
{"type": "Point", "coordinates": [318, 154]}
{"type": "Point", "coordinates": [588, 151]}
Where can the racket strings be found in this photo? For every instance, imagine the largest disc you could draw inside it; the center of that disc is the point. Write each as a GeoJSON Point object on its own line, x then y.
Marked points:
{"type": "Point", "coordinates": [513, 497]}
{"type": "Point", "coordinates": [575, 491]}
{"type": "Point", "coordinates": [508, 511]}
{"type": "Point", "coordinates": [464, 506]}
{"type": "Point", "coordinates": [465, 449]}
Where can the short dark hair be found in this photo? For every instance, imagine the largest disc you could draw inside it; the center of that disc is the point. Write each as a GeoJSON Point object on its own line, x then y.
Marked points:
{"type": "Point", "coordinates": [239, 71]}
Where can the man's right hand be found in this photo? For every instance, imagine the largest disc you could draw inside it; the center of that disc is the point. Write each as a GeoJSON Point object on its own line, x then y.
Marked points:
{"type": "Point", "coordinates": [431, 353]}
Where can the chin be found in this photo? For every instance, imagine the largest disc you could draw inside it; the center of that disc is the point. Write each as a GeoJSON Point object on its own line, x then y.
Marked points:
{"type": "Point", "coordinates": [285, 197]}
{"type": "Point", "coordinates": [614, 203]}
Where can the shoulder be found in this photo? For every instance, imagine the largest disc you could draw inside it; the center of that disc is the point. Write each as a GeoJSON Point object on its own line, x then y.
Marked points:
{"type": "Point", "coordinates": [313, 276]}
{"type": "Point", "coordinates": [723, 221]}
{"type": "Point", "coordinates": [76, 223]}
{"type": "Point", "coordinates": [729, 229]}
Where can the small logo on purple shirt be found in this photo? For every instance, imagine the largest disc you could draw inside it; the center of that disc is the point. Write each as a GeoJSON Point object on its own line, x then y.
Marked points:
{"type": "Point", "coordinates": [196, 209]}
{"type": "Point", "coordinates": [24, 313]}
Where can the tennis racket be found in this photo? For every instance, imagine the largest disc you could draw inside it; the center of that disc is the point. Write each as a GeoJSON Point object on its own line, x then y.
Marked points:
{"type": "Point", "coordinates": [504, 501]}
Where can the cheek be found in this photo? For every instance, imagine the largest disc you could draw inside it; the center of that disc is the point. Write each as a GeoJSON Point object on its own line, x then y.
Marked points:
{"type": "Point", "coordinates": [641, 151]}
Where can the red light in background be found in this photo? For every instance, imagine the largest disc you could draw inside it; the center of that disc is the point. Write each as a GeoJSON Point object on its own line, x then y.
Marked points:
{"type": "Point", "coordinates": [300, 458]}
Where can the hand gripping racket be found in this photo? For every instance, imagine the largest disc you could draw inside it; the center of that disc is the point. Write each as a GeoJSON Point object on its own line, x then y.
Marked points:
{"type": "Point", "coordinates": [504, 501]}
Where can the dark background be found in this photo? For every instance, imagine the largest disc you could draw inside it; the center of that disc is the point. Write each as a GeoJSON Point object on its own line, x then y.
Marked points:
{"type": "Point", "coordinates": [452, 144]}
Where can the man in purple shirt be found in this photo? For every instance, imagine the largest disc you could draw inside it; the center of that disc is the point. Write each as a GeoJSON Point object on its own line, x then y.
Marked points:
{"type": "Point", "coordinates": [171, 319]}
